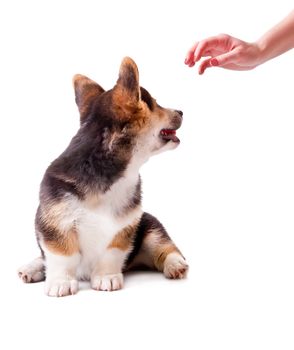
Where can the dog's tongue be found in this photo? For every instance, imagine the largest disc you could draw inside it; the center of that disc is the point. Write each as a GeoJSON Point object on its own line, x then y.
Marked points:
{"type": "Point", "coordinates": [169, 131]}
{"type": "Point", "coordinates": [168, 134]}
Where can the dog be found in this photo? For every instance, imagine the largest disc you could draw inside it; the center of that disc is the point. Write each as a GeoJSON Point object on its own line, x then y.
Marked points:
{"type": "Point", "coordinates": [90, 224]}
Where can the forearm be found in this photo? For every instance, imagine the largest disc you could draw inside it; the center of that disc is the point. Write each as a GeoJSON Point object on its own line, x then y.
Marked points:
{"type": "Point", "coordinates": [277, 40]}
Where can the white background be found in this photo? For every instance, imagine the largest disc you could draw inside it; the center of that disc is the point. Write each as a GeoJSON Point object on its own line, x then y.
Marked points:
{"type": "Point", "coordinates": [226, 195]}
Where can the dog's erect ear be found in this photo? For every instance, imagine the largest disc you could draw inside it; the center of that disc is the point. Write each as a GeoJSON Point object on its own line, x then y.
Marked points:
{"type": "Point", "coordinates": [127, 87]}
{"type": "Point", "coordinates": [86, 91]}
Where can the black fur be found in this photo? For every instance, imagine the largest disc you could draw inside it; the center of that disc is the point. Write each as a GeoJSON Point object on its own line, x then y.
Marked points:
{"type": "Point", "coordinates": [146, 97]}
{"type": "Point", "coordinates": [54, 187]}
{"type": "Point", "coordinates": [87, 162]}
{"type": "Point", "coordinates": [147, 223]}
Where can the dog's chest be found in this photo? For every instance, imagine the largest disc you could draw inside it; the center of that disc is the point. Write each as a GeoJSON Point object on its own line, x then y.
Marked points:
{"type": "Point", "coordinates": [100, 218]}
{"type": "Point", "coordinates": [97, 227]}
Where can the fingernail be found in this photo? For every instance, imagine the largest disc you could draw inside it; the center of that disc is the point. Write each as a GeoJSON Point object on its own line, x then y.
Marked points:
{"type": "Point", "coordinates": [214, 62]}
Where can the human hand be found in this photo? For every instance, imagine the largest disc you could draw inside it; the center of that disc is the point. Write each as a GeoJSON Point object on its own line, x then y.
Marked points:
{"type": "Point", "coordinates": [224, 51]}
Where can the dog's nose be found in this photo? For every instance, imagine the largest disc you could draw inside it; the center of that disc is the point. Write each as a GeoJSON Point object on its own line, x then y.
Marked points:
{"type": "Point", "coordinates": [180, 113]}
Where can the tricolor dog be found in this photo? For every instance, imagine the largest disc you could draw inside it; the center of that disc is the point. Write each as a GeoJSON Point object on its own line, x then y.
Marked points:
{"type": "Point", "coordinates": [90, 224]}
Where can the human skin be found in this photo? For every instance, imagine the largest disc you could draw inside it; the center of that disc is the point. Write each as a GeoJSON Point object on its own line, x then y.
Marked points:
{"type": "Point", "coordinates": [232, 53]}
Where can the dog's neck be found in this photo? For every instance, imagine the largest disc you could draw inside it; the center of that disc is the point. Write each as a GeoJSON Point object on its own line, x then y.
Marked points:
{"type": "Point", "coordinates": [125, 193]}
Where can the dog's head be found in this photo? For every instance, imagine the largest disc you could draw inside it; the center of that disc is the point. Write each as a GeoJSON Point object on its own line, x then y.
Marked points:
{"type": "Point", "coordinates": [129, 120]}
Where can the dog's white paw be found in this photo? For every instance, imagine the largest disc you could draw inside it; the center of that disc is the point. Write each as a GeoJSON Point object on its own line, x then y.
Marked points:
{"type": "Point", "coordinates": [32, 272]}
{"type": "Point", "coordinates": [175, 266]}
{"type": "Point", "coordinates": [107, 282]}
{"type": "Point", "coordinates": [61, 287]}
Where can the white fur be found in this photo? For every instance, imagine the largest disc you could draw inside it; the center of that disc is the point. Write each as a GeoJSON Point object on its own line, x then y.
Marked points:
{"type": "Point", "coordinates": [151, 143]}
{"type": "Point", "coordinates": [32, 272]}
{"type": "Point", "coordinates": [107, 282]}
{"type": "Point", "coordinates": [61, 274]}
{"type": "Point", "coordinates": [99, 223]}
{"type": "Point", "coordinates": [175, 266]}
{"type": "Point", "coordinates": [96, 221]}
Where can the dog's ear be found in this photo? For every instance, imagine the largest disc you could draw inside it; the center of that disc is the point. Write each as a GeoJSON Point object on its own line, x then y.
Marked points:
{"type": "Point", "coordinates": [127, 89]}
{"type": "Point", "coordinates": [86, 91]}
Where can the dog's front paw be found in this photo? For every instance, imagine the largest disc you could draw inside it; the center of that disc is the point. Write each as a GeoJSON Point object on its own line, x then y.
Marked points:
{"type": "Point", "coordinates": [32, 272]}
{"type": "Point", "coordinates": [107, 282]}
{"type": "Point", "coordinates": [175, 266]}
{"type": "Point", "coordinates": [61, 287]}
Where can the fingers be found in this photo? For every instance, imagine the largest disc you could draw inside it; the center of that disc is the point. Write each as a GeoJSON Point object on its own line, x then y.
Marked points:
{"type": "Point", "coordinates": [229, 58]}
{"type": "Point", "coordinates": [204, 46]}
{"type": "Point", "coordinates": [222, 49]}
{"type": "Point", "coordinates": [200, 49]}
{"type": "Point", "coordinates": [189, 60]}
{"type": "Point", "coordinates": [203, 65]}
{"type": "Point", "coordinates": [210, 62]}
{"type": "Point", "coordinates": [207, 47]}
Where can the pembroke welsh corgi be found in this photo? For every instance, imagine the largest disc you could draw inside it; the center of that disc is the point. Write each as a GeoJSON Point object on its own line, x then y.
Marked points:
{"type": "Point", "coordinates": [90, 224]}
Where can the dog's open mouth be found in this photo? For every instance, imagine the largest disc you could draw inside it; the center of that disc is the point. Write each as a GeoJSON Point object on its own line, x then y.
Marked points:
{"type": "Point", "coordinates": [169, 135]}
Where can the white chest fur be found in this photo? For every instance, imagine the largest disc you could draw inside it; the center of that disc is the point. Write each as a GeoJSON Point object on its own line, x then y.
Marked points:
{"type": "Point", "coordinates": [96, 228]}
{"type": "Point", "coordinates": [99, 218]}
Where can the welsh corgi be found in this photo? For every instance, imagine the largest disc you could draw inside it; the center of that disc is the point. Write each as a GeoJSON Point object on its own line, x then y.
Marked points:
{"type": "Point", "coordinates": [90, 224]}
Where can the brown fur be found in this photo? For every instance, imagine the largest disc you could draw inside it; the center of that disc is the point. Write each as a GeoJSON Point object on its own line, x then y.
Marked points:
{"type": "Point", "coordinates": [61, 240]}
{"type": "Point", "coordinates": [162, 252]}
{"type": "Point", "coordinates": [114, 125]}
{"type": "Point", "coordinates": [52, 213]}
{"type": "Point", "coordinates": [86, 90]}
{"type": "Point", "coordinates": [156, 246]}
{"type": "Point", "coordinates": [128, 80]}
{"type": "Point", "coordinates": [65, 243]}
{"type": "Point", "coordinates": [123, 240]}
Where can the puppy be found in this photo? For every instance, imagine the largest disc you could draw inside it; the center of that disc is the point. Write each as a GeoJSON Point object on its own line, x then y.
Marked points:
{"type": "Point", "coordinates": [90, 224]}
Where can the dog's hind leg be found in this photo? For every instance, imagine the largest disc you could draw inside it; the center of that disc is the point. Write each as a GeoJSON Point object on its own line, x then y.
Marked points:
{"type": "Point", "coordinates": [33, 271]}
{"type": "Point", "coordinates": [154, 248]}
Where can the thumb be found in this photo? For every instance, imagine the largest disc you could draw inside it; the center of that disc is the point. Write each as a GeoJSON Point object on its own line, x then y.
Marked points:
{"type": "Point", "coordinates": [222, 60]}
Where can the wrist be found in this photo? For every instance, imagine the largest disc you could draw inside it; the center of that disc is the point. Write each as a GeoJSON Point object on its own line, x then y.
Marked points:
{"type": "Point", "coordinates": [262, 51]}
